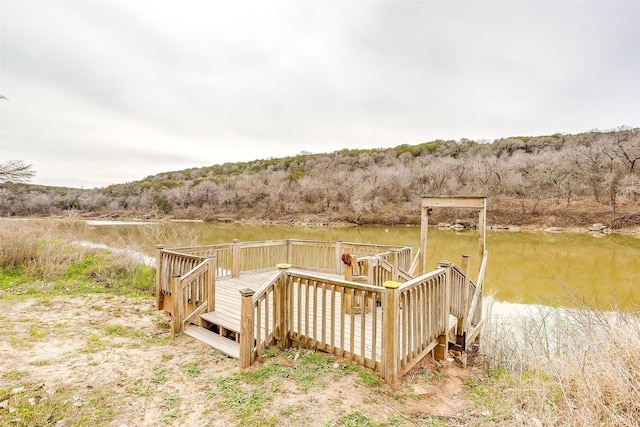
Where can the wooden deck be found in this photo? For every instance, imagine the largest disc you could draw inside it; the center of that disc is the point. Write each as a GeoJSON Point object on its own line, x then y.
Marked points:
{"type": "Point", "coordinates": [357, 301]}
{"type": "Point", "coordinates": [227, 315]}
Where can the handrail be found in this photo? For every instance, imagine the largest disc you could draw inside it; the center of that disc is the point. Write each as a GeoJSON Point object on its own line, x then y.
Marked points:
{"type": "Point", "coordinates": [483, 267]}
{"type": "Point", "coordinates": [477, 292]}
{"type": "Point", "coordinates": [195, 271]}
{"type": "Point", "coordinates": [414, 263]}
{"type": "Point", "coordinates": [417, 280]}
{"type": "Point", "coordinates": [341, 282]}
{"type": "Point", "coordinates": [182, 254]}
{"type": "Point", "coordinates": [195, 287]}
{"type": "Point", "coordinates": [265, 286]}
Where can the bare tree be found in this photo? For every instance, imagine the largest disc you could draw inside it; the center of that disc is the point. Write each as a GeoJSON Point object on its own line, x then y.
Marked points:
{"type": "Point", "coordinates": [15, 171]}
{"type": "Point", "coordinates": [627, 147]}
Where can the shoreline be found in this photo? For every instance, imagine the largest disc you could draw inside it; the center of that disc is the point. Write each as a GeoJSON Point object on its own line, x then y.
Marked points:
{"type": "Point", "coordinates": [596, 230]}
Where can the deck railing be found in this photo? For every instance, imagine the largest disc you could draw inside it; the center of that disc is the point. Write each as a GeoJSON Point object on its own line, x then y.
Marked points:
{"type": "Point", "coordinates": [385, 324]}
{"type": "Point", "coordinates": [424, 315]}
{"type": "Point", "coordinates": [191, 294]}
{"type": "Point", "coordinates": [391, 329]}
{"type": "Point", "coordinates": [232, 259]}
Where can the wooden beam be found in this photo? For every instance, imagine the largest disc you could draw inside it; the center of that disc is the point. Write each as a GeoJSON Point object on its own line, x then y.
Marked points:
{"type": "Point", "coordinates": [424, 224]}
{"type": "Point", "coordinates": [454, 202]}
{"type": "Point", "coordinates": [482, 229]}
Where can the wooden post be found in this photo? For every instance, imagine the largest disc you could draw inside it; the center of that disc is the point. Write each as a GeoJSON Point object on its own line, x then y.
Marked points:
{"type": "Point", "coordinates": [394, 264]}
{"type": "Point", "coordinates": [482, 230]}
{"type": "Point", "coordinates": [441, 351]}
{"type": "Point", "coordinates": [373, 262]}
{"type": "Point", "coordinates": [339, 264]}
{"type": "Point", "coordinates": [236, 252]}
{"type": "Point", "coordinates": [424, 224]}
{"type": "Point", "coordinates": [288, 251]}
{"type": "Point", "coordinates": [246, 328]}
{"type": "Point", "coordinates": [176, 303]}
{"type": "Point", "coordinates": [159, 277]}
{"type": "Point", "coordinates": [280, 307]}
{"type": "Point", "coordinates": [348, 269]}
{"type": "Point", "coordinates": [391, 328]}
{"type": "Point", "coordinates": [211, 283]}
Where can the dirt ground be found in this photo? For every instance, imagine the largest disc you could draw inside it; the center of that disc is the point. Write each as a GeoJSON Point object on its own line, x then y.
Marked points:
{"type": "Point", "coordinates": [109, 360]}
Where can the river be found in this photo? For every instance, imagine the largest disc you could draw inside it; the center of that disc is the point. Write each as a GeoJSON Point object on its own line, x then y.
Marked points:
{"type": "Point", "coordinates": [523, 267]}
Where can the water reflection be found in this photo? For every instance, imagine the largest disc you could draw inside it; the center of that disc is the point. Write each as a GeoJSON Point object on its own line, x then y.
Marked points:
{"type": "Point", "coordinates": [524, 267]}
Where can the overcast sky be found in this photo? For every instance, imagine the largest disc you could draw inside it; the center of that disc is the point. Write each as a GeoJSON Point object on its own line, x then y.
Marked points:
{"type": "Point", "coordinates": [103, 92]}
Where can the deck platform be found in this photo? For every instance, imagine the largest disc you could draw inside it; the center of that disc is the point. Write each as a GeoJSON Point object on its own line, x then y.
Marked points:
{"type": "Point", "coordinates": [227, 315]}
{"type": "Point", "coordinates": [359, 301]}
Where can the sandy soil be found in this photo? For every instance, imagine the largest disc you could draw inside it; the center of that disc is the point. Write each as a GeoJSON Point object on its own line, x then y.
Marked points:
{"type": "Point", "coordinates": [110, 352]}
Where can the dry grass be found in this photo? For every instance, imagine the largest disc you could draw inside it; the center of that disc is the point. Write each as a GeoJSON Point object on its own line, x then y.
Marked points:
{"type": "Point", "coordinates": [572, 367]}
{"type": "Point", "coordinates": [41, 247]}
{"type": "Point", "coordinates": [42, 258]}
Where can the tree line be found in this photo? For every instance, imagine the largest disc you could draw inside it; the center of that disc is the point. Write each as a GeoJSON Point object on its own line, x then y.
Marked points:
{"type": "Point", "coordinates": [524, 176]}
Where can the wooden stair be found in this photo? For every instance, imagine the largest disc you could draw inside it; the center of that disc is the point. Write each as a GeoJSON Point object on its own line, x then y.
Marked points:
{"type": "Point", "coordinates": [224, 345]}
{"type": "Point", "coordinates": [223, 320]}
{"type": "Point", "coordinates": [222, 332]}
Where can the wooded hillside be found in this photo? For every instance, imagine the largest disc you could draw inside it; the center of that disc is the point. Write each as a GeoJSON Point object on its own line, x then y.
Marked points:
{"type": "Point", "coordinates": [550, 180]}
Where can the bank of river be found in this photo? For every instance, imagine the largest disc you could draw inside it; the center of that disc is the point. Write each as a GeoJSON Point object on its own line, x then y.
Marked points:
{"type": "Point", "coordinates": [524, 267]}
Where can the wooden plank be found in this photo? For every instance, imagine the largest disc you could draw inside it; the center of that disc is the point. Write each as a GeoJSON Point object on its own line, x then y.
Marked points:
{"type": "Point", "coordinates": [224, 345]}
{"type": "Point", "coordinates": [222, 319]}
{"type": "Point", "coordinates": [454, 202]}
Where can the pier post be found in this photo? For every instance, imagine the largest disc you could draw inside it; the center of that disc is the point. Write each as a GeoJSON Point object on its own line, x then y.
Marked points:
{"type": "Point", "coordinates": [246, 328]}
{"type": "Point", "coordinates": [391, 328]}
{"type": "Point", "coordinates": [159, 277]}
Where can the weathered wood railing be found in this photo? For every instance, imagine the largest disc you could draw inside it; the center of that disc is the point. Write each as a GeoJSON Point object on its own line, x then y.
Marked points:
{"type": "Point", "coordinates": [387, 324]}
{"type": "Point", "coordinates": [170, 264]}
{"type": "Point", "coordinates": [396, 326]}
{"type": "Point", "coordinates": [383, 267]}
{"type": "Point", "coordinates": [192, 294]}
{"type": "Point", "coordinates": [473, 323]}
{"type": "Point", "coordinates": [303, 308]}
{"type": "Point", "coordinates": [423, 318]}
{"type": "Point", "coordinates": [237, 257]}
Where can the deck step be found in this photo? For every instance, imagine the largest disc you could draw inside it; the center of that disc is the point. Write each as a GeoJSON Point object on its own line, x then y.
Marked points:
{"type": "Point", "coordinates": [225, 345]}
{"type": "Point", "coordinates": [221, 319]}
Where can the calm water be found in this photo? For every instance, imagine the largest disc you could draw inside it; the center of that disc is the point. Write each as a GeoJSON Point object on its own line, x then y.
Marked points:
{"type": "Point", "coordinates": [523, 267]}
